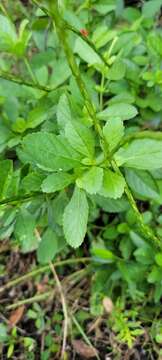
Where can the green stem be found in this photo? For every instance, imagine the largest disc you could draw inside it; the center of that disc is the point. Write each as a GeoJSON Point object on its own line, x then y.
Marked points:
{"type": "Point", "coordinates": [74, 277]}
{"type": "Point", "coordinates": [41, 270]}
{"type": "Point", "coordinates": [83, 334]}
{"type": "Point", "coordinates": [101, 91]}
{"type": "Point", "coordinates": [62, 35]}
{"type": "Point", "coordinates": [19, 198]}
{"type": "Point", "coordinates": [10, 77]}
{"type": "Point", "coordinates": [87, 40]}
{"type": "Point", "coordinates": [30, 71]}
{"type": "Point", "coordinates": [31, 300]}
{"type": "Point", "coordinates": [145, 229]}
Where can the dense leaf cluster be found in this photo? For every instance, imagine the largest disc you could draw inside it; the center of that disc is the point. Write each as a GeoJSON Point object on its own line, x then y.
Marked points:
{"type": "Point", "coordinates": [80, 138]}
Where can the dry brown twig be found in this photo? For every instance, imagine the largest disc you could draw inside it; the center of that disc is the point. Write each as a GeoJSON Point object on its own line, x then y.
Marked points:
{"type": "Point", "coordinates": [64, 308]}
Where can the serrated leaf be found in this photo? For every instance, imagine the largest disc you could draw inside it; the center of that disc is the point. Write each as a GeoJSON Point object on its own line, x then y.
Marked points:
{"type": "Point", "coordinates": [75, 218]}
{"type": "Point", "coordinates": [57, 181]}
{"type": "Point", "coordinates": [142, 183]}
{"type": "Point", "coordinates": [113, 132]}
{"type": "Point", "coordinates": [6, 170]}
{"type": "Point", "coordinates": [80, 138]}
{"type": "Point", "coordinates": [121, 110]}
{"type": "Point", "coordinates": [113, 185]}
{"type": "Point", "coordinates": [48, 151]}
{"type": "Point", "coordinates": [91, 180]}
{"type": "Point", "coordinates": [48, 247]}
{"type": "Point", "coordinates": [141, 154]}
{"type": "Point", "coordinates": [24, 231]}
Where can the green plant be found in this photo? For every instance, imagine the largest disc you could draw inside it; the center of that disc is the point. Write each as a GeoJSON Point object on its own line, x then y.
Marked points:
{"type": "Point", "coordinates": [85, 148]}
{"type": "Point", "coordinates": [73, 141]}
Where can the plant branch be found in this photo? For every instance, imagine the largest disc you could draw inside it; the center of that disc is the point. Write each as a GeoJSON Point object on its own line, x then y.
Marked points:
{"type": "Point", "coordinates": [30, 71]}
{"type": "Point", "coordinates": [11, 77]}
{"type": "Point", "coordinates": [19, 198]}
{"type": "Point", "coordinates": [145, 229]}
{"type": "Point", "coordinates": [87, 40]}
{"type": "Point", "coordinates": [62, 35]}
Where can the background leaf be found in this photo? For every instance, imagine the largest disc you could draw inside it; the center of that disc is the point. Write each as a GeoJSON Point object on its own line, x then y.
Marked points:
{"type": "Point", "coordinates": [120, 110]}
{"type": "Point", "coordinates": [49, 246]}
{"type": "Point", "coordinates": [142, 184]}
{"type": "Point", "coordinates": [24, 231]}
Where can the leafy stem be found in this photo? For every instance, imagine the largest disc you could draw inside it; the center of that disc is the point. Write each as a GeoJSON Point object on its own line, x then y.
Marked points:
{"type": "Point", "coordinates": [20, 198]}
{"type": "Point", "coordinates": [62, 34]}
{"type": "Point", "coordinates": [11, 77]}
{"type": "Point", "coordinates": [59, 23]}
{"type": "Point", "coordinates": [87, 40]}
{"type": "Point", "coordinates": [75, 70]}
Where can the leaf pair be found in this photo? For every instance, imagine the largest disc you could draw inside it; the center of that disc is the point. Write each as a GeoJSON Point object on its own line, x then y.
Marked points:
{"type": "Point", "coordinates": [75, 218]}
{"type": "Point", "coordinates": [102, 181]}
